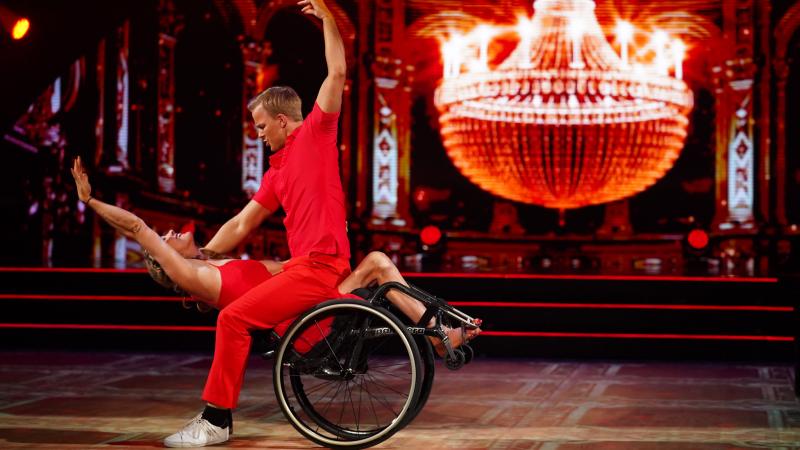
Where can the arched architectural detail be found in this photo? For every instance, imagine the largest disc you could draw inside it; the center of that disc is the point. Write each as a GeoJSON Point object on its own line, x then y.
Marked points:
{"type": "Point", "coordinates": [250, 28]}
{"type": "Point", "coordinates": [786, 28]}
{"type": "Point", "coordinates": [244, 10]}
{"type": "Point", "coordinates": [346, 27]}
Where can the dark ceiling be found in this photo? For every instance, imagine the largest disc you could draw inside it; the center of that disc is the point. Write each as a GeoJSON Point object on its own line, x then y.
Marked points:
{"type": "Point", "coordinates": [60, 32]}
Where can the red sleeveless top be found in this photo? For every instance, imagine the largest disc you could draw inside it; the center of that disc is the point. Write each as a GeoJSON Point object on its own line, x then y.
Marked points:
{"type": "Point", "coordinates": [238, 277]}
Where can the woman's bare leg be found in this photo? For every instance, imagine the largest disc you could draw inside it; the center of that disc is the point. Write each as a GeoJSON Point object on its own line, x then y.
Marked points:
{"type": "Point", "coordinates": [376, 266]}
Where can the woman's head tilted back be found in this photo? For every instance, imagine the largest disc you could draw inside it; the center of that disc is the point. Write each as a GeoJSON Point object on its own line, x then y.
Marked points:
{"type": "Point", "coordinates": [185, 245]}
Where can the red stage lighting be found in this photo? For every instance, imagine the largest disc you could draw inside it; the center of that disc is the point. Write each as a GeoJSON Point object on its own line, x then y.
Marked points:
{"type": "Point", "coordinates": [697, 239]}
{"type": "Point", "coordinates": [430, 235]}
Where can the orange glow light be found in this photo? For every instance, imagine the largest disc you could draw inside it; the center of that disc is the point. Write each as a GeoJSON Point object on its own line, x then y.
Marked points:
{"type": "Point", "coordinates": [20, 28]}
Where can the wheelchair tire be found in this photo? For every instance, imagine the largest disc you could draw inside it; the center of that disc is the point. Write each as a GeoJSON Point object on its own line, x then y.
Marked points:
{"type": "Point", "coordinates": [428, 364]}
{"type": "Point", "coordinates": [342, 359]}
{"type": "Point", "coordinates": [469, 353]}
{"type": "Point", "coordinates": [457, 361]}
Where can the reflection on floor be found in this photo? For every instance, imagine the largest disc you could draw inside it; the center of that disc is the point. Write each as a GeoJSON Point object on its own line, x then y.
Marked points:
{"type": "Point", "coordinates": [62, 400]}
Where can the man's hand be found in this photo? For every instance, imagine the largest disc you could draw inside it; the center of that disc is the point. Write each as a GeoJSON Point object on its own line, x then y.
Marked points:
{"type": "Point", "coordinates": [211, 254]}
{"type": "Point", "coordinates": [81, 180]}
{"type": "Point", "coordinates": [316, 8]}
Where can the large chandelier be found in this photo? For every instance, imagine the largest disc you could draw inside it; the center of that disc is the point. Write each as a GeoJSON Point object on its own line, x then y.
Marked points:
{"type": "Point", "coordinates": [563, 121]}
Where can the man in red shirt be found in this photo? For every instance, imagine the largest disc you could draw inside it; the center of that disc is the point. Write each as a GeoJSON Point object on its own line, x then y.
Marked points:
{"type": "Point", "coordinates": [303, 179]}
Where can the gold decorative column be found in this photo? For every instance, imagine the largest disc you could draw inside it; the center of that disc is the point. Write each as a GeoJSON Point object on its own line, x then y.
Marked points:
{"type": "Point", "coordinates": [169, 27]}
{"type": "Point", "coordinates": [392, 118]}
{"type": "Point", "coordinates": [735, 148]}
{"type": "Point", "coordinates": [254, 57]}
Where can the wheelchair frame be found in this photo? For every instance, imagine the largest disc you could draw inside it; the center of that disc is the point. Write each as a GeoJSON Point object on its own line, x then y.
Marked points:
{"type": "Point", "coordinates": [332, 368]}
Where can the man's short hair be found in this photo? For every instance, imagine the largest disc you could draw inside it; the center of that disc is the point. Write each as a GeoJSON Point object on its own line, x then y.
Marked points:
{"type": "Point", "coordinates": [278, 100]}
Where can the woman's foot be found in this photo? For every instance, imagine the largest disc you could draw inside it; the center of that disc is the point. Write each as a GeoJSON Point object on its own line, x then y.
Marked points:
{"type": "Point", "coordinates": [456, 337]}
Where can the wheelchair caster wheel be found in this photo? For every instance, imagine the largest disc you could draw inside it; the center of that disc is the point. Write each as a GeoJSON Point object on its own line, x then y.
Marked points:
{"type": "Point", "coordinates": [469, 353]}
{"type": "Point", "coordinates": [457, 361]}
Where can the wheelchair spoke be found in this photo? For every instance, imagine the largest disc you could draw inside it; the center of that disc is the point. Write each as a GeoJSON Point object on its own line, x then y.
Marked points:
{"type": "Point", "coordinates": [320, 386]}
{"type": "Point", "coordinates": [378, 400]}
{"type": "Point", "coordinates": [388, 387]}
{"type": "Point", "coordinates": [316, 323]}
{"type": "Point", "coordinates": [388, 365]}
{"type": "Point", "coordinates": [371, 404]}
{"type": "Point", "coordinates": [341, 407]}
{"type": "Point", "coordinates": [352, 406]}
{"type": "Point", "coordinates": [360, 392]}
{"type": "Point", "coordinates": [328, 405]}
{"type": "Point", "coordinates": [391, 374]}
{"type": "Point", "coordinates": [383, 402]}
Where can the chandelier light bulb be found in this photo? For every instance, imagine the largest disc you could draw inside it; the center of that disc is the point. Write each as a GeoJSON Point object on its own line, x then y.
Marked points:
{"type": "Point", "coordinates": [526, 32]}
{"type": "Point", "coordinates": [624, 32]}
{"type": "Point", "coordinates": [484, 34]}
{"type": "Point", "coordinates": [525, 28]}
{"type": "Point", "coordinates": [660, 39]}
{"type": "Point", "coordinates": [452, 51]}
{"type": "Point", "coordinates": [678, 49]}
{"type": "Point", "coordinates": [576, 35]}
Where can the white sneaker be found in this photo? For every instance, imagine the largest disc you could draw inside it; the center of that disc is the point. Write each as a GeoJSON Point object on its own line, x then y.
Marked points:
{"type": "Point", "coordinates": [198, 433]}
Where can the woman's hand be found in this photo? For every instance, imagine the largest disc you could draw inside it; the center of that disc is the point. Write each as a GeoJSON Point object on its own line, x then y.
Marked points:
{"type": "Point", "coordinates": [316, 8]}
{"type": "Point", "coordinates": [81, 180]}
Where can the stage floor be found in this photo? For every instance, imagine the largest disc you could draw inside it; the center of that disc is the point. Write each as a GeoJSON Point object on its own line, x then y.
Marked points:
{"type": "Point", "coordinates": [61, 400]}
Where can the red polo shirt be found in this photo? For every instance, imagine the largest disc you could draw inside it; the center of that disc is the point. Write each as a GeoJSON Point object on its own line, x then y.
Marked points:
{"type": "Point", "coordinates": [303, 178]}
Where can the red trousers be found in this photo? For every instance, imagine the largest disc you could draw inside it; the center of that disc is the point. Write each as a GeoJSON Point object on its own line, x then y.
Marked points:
{"type": "Point", "coordinates": [305, 282]}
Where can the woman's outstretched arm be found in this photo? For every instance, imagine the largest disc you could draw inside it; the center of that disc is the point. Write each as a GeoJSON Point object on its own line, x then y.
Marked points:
{"type": "Point", "coordinates": [123, 221]}
{"type": "Point", "coordinates": [178, 268]}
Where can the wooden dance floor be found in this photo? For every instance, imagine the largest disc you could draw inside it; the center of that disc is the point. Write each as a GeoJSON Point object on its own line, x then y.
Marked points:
{"type": "Point", "coordinates": [62, 400]}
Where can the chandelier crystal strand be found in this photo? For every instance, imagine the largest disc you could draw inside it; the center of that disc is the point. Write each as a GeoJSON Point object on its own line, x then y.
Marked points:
{"type": "Point", "coordinates": [563, 121]}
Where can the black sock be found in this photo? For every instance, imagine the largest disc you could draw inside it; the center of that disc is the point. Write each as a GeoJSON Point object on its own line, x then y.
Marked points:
{"type": "Point", "coordinates": [218, 417]}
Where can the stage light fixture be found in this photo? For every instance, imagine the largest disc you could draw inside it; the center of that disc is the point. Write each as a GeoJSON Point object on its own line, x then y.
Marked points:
{"type": "Point", "coordinates": [431, 248]}
{"type": "Point", "coordinates": [20, 29]}
{"type": "Point", "coordinates": [697, 239]}
{"type": "Point", "coordinates": [430, 235]}
{"type": "Point", "coordinates": [17, 26]}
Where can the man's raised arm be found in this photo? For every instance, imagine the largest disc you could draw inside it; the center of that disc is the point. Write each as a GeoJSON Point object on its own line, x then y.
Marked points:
{"type": "Point", "coordinates": [330, 93]}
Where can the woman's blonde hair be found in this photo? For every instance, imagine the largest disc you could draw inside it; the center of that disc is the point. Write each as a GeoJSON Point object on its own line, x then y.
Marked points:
{"type": "Point", "coordinates": [158, 274]}
{"type": "Point", "coordinates": [278, 100]}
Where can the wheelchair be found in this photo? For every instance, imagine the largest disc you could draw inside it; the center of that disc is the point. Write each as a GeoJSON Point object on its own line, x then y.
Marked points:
{"type": "Point", "coordinates": [348, 374]}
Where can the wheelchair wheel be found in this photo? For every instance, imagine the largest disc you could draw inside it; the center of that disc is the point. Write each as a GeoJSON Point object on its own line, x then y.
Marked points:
{"type": "Point", "coordinates": [348, 374]}
{"type": "Point", "coordinates": [457, 361]}
{"type": "Point", "coordinates": [426, 351]}
{"type": "Point", "coordinates": [469, 353]}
